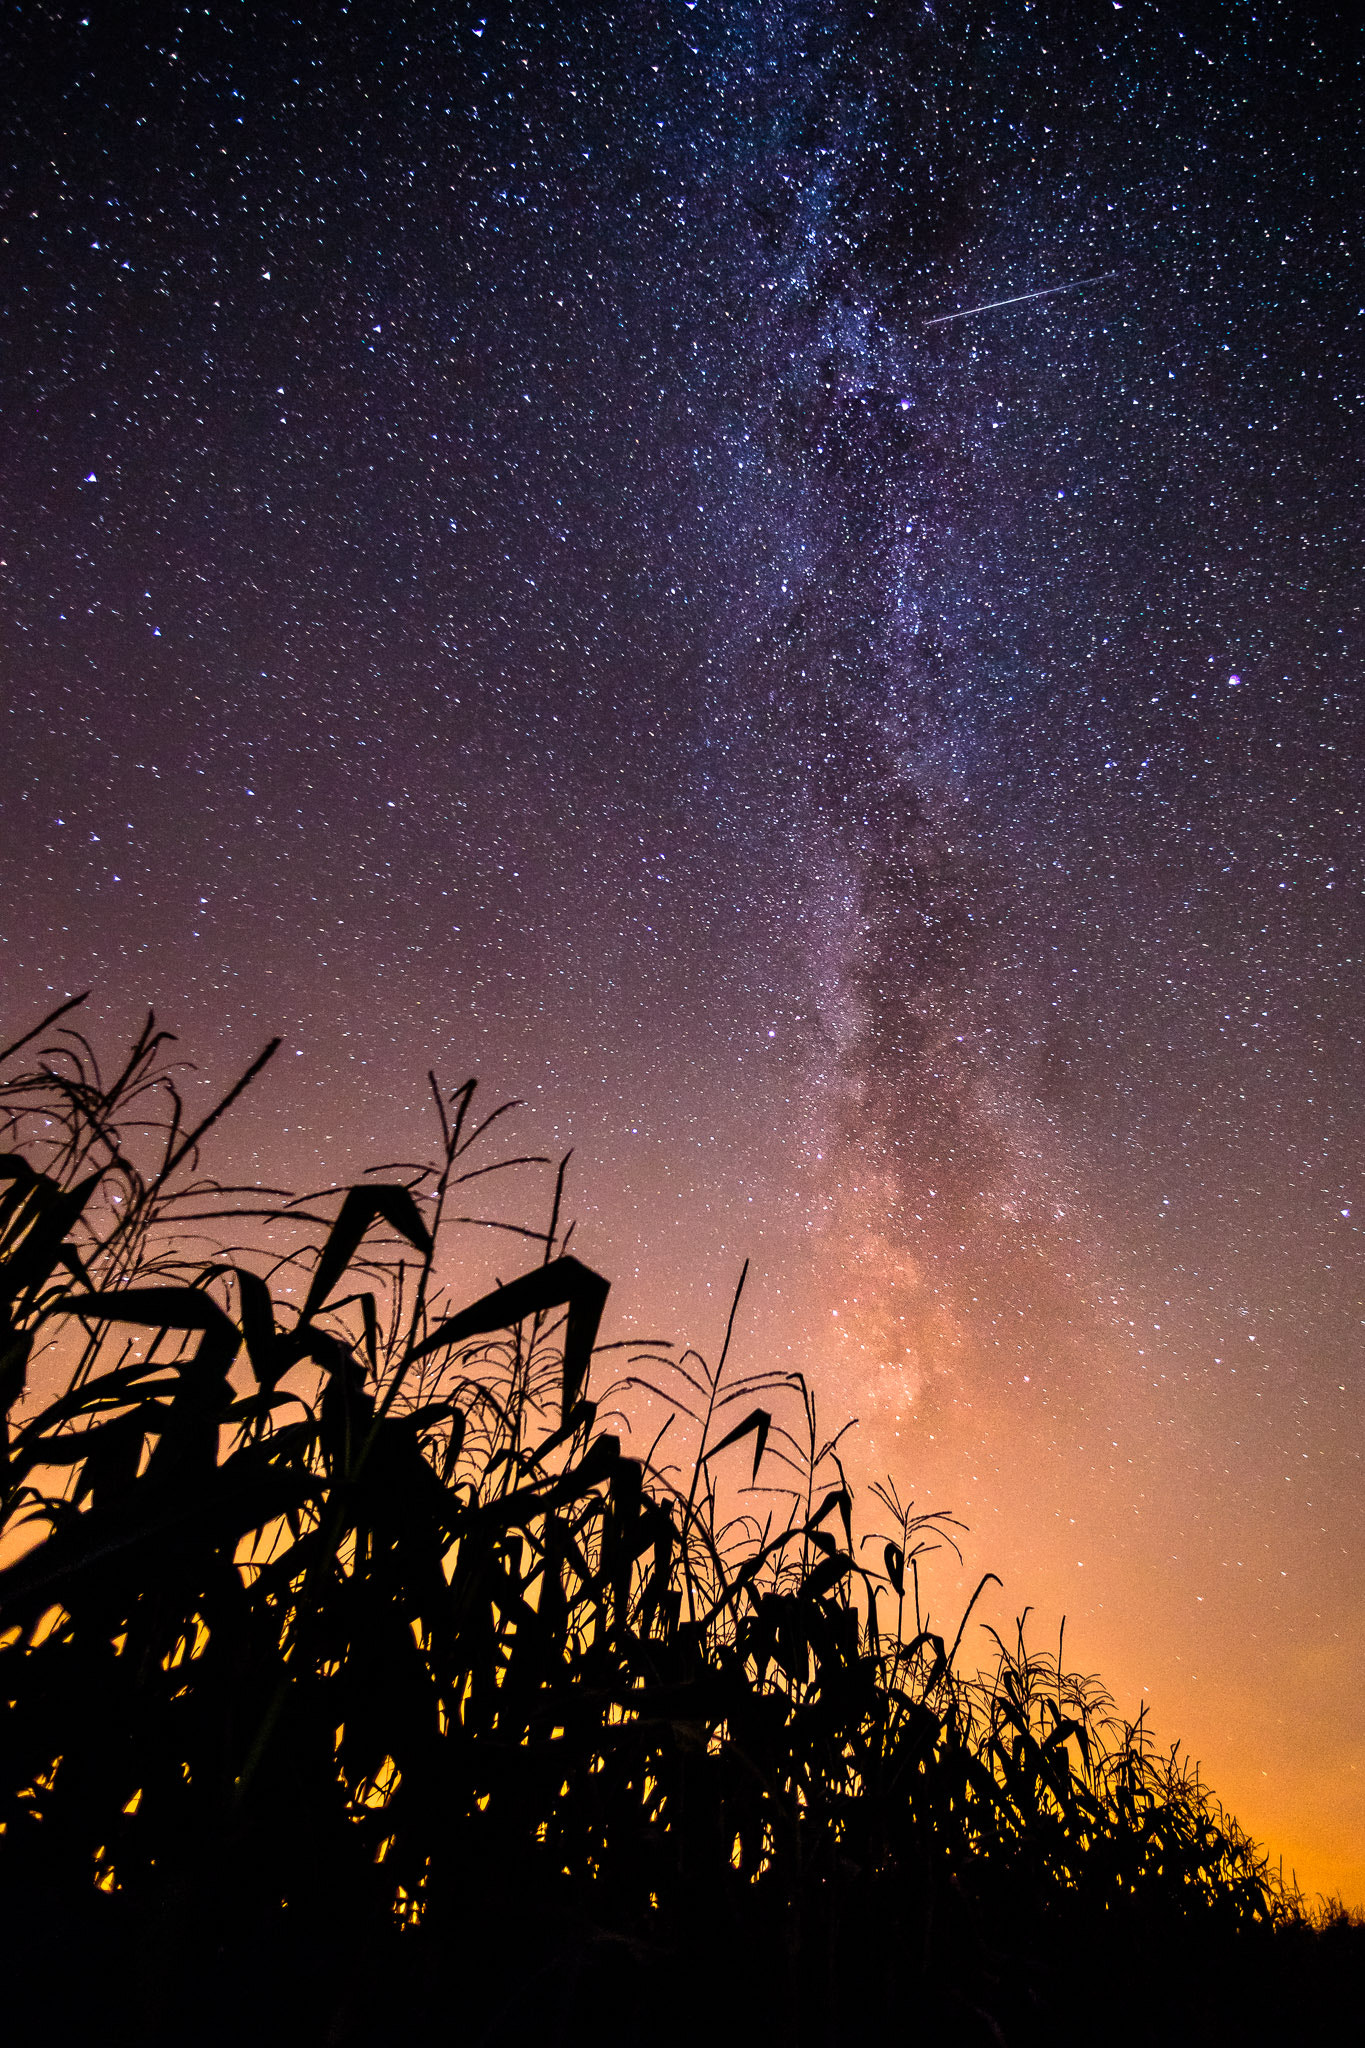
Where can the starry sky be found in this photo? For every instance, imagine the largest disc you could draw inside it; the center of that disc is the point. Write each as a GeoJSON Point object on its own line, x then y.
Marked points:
{"type": "Point", "coordinates": [505, 565]}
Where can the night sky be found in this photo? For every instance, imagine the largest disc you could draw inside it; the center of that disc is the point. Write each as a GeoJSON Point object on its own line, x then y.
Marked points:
{"type": "Point", "coordinates": [500, 571]}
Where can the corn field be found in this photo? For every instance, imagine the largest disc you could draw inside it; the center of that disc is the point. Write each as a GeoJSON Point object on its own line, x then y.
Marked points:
{"type": "Point", "coordinates": [361, 1673]}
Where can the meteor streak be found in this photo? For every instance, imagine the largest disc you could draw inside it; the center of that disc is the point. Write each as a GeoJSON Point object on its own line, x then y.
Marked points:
{"type": "Point", "coordinates": [1049, 291]}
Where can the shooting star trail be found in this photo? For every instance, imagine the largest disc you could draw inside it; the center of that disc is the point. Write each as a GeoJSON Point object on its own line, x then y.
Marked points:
{"type": "Point", "coordinates": [1049, 292]}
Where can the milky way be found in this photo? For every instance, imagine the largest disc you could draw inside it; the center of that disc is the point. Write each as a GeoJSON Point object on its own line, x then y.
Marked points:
{"type": "Point", "coordinates": [507, 563]}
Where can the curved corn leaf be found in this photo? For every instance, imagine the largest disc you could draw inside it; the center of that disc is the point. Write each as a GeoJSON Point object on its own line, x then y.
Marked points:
{"type": "Point", "coordinates": [564, 1282]}
{"type": "Point", "coordinates": [388, 1203]}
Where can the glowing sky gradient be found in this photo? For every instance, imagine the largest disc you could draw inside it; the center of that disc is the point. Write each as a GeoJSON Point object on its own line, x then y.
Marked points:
{"type": "Point", "coordinates": [501, 570]}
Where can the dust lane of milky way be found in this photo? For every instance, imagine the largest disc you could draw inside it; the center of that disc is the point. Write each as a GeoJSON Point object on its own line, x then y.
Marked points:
{"type": "Point", "coordinates": [500, 570]}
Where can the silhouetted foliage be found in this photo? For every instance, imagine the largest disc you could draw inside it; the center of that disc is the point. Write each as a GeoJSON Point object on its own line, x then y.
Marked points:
{"type": "Point", "coordinates": [356, 1681]}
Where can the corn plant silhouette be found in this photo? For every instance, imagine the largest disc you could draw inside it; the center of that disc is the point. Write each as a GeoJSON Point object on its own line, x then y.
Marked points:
{"type": "Point", "coordinates": [356, 1679]}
